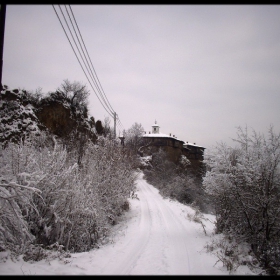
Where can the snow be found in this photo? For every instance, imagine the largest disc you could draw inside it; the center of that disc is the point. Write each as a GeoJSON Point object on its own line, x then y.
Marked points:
{"type": "Point", "coordinates": [192, 144]}
{"type": "Point", "coordinates": [162, 135]}
{"type": "Point", "coordinates": [155, 237]}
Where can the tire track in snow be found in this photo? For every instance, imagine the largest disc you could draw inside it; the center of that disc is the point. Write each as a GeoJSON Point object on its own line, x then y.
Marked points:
{"type": "Point", "coordinates": [161, 245]}
{"type": "Point", "coordinates": [153, 259]}
{"type": "Point", "coordinates": [177, 249]}
{"type": "Point", "coordinates": [132, 250]}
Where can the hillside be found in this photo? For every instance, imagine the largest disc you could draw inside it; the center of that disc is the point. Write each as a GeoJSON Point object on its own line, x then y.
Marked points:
{"type": "Point", "coordinates": [22, 115]}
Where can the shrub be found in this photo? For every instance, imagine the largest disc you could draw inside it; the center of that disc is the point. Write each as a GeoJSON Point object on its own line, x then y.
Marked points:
{"type": "Point", "coordinates": [245, 184]}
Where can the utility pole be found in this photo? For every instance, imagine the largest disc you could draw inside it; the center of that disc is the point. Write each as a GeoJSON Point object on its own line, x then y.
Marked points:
{"type": "Point", "coordinates": [115, 121]}
{"type": "Point", "coordinates": [2, 32]}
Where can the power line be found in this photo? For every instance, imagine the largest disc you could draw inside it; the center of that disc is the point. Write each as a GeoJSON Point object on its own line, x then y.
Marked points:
{"type": "Point", "coordinates": [110, 113]}
{"type": "Point", "coordinates": [90, 59]}
{"type": "Point", "coordinates": [91, 73]}
{"type": "Point", "coordinates": [107, 103]}
{"type": "Point", "coordinates": [108, 110]}
{"type": "Point", "coordinates": [79, 43]}
{"type": "Point", "coordinates": [96, 81]}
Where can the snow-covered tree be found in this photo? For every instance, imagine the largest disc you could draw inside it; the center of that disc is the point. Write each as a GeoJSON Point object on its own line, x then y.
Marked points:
{"type": "Point", "coordinates": [108, 131]}
{"type": "Point", "coordinates": [175, 181]}
{"type": "Point", "coordinates": [133, 137]}
{"type": "Point", "coordinates": [245, 184]}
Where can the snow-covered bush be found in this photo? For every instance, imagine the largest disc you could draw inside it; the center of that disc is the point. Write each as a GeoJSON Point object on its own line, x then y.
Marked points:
{"type": "Point", "coordinates": [176, 181]}
{"type": "Point", "coordinates": [145, 162]}
{"type": "Point", "coordinates": [36, 252]}
{"type": "Point", "coordinates": [245, 184]}
{"type": "Point", "coordinates": [17, 118]}
{"type": "Point", "coordinates": [16, 188]}
{"type": "Point", "coordinates": [80, 202]}
{"type": "Point", "coordinates": [110, 169]}
{"type": "Point", "coordinates": [47, 198]}
{"type": "Point", "coordinates": [233, 254]}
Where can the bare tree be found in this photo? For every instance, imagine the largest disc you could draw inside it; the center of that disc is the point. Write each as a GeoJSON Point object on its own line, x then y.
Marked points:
{"type": "Point", "coordinates": [75, 92]}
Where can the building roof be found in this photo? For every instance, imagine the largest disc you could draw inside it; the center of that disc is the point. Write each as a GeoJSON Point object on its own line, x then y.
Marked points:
{"type": "Point", "coordinates": [192, 144]}
{"type": "Point", "coordinates": [160, 135]}
{"type": "Point", "coordinates": [163, 135]}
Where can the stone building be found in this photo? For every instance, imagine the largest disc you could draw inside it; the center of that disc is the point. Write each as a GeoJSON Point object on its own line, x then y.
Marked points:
{"type": "Point", "coordinates": [173, 146]}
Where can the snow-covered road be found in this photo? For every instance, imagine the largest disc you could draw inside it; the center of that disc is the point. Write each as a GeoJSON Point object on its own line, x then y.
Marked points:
{"type": "Point", "coordinates": [161, 240]}
{"type": "Point", "coordinates": [154, 238]}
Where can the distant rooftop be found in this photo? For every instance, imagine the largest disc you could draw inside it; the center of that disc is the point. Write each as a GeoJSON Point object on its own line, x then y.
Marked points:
{"type": "Point", "coordinates": [156, 133]}
{"type": "Point", "coordinates": [161, 135]}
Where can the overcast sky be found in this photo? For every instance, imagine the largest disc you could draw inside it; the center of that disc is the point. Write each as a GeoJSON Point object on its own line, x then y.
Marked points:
{"type": "Point", "coordinates": [199, 70]}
